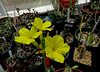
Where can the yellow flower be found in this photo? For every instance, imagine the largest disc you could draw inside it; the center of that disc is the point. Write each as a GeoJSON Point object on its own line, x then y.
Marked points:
{"type": "Point", "coordinates": [40, 25]}
{"type": "Point", "coordinates": [56, 48]}
{"type": "Point", "coordinates": [26, 36]}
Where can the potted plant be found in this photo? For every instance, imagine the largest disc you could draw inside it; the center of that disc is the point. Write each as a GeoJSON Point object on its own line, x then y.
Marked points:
{"type": "Point", "coordinates": [6, 26]}
{"type": "Point", "coordinates": [19, 67]}
{"type": "Point", "coordinates": [25, 19]}
{"type": "Point", "coordinates": [68, 69]}
{"type": "Point", "coordinates": [88, 45]}
{"type": "Point", "coordinates": [91, 8]}
{"type": "Point", "coordinates": [27, 38]}
{"type": "Point", "coordinates": [11, 61]}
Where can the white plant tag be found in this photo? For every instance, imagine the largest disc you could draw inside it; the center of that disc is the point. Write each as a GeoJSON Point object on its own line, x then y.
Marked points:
{"type": "Point", "coordinates": [1, 69]}
{"type": "Point", "coordinates": [10, 53]}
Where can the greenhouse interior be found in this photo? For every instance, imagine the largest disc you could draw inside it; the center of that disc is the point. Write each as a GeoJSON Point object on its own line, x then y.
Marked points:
{"type": "Point", "coordinates": [49, 35]}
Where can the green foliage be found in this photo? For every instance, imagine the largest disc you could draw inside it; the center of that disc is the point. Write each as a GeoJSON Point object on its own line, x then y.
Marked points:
{"type": "Point", "coordinates": [5, 27]}
{"type": "Point", "coordinates": [75, 66]}
{"type": "Point", "coordinates": [90, 39]}
{"type": "Point", "coordinates": [51, 69]}
{"type": "Point", "coordinates": [9, 59]}
{"type": "Point", "coordinates": [55, 16]}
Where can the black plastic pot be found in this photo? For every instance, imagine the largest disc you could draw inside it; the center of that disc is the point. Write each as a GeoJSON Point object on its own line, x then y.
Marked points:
{"type": "Point", "coordinates": [95, 59]}
{"type": "Point", "coordinates": [58, 27]}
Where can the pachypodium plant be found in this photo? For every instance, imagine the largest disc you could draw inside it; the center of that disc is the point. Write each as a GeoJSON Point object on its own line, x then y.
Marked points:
{"type": "Point", "coordinates": [54, 48]}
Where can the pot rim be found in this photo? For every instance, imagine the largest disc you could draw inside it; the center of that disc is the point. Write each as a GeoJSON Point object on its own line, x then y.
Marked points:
{"type": "Point", "coordinates": [64, 68]}
{"type": "Point", "coordinates": [9, 47]}
{"type": "Point", "coordinates": [82, 8]}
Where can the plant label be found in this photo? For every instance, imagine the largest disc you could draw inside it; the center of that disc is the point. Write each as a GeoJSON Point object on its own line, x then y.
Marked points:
{"type": "Point", "coordinates": [10, 53]}
{"type": "Point", "coordinates": [1, 69]}
{"type": "Point", "coordinates": [68, 25]}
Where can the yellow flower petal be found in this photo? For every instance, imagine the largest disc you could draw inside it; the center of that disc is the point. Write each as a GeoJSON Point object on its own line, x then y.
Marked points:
{"type": "Point", "coordinates": [24, 32]}
{"type": "Point", "coordinates": [58, 41]}
{"type": "Point", "coordinates": [63, 49]}
{"type": "Point", "coordinates": [49, 29]}
{"type": "Point", "coordinates": [33, 30]}
{"type": "Point", "coordinates": [37, 34]}
{"type": "Point", "coordinates": [24, 40]}
{"type": "Point", "coordinates": [49, 52]}
{"type": "Point", "coordinates": [58, 57]}
{"type": "Point", "coordinates": [38, 23]}
{"type": "Point", "coordinates": [46, 24]}
{"type": "Point", "coordinates": [49, 42]}
{"type": "Point", "coordinates": [19, 39]}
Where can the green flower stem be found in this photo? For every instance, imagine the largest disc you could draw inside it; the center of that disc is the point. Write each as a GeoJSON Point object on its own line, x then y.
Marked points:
{"type": "Point", "coordinates": [43, 47]}
{"type": "Point", "coordinates": [45, 63]}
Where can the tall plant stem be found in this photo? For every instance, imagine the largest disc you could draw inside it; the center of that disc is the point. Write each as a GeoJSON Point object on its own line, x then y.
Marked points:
{"type": "Point", "coordinates": [44, 62]}
{"type": "Point", "coordinates": [43, 47]}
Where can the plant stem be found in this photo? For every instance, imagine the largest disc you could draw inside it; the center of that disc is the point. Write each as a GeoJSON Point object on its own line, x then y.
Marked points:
{"type": "Point", "coordinates": [45, 63]}
{"type": "Point", "coordinates": [43, 47]}
{"type": "Point", "coordinates": [96, 23]}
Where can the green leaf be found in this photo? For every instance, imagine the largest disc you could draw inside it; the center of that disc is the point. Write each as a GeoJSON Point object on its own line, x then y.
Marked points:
{"type": "Point", "coordinates": [90, 39]}
{"type": "Point", "coordinates": [75, 66]}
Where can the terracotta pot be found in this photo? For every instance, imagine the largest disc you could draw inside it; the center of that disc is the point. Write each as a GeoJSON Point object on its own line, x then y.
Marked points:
{"type": "Point", "coordinates": [82, 8]}
{"type": "Point", "coordinates": [65, 3]}
{"type": "Point", "coordinates": [62, 69]}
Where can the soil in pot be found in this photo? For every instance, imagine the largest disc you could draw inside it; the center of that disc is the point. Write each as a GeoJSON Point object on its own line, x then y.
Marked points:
{"type": "Point", "coordinates": [34, 63]}
{"type": "Point", "coordinates": [4, 45]}
{"type": "Point", "coordinates": [86, 58]}
{"type": "Point", "coordinates": [24, 51]}
{"type": "Point", "coordinates": [6, 26]}
{"type": "Point", "coordinates": [19, 67]}
{"type": "Point", "coordinates": [25, 20]}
